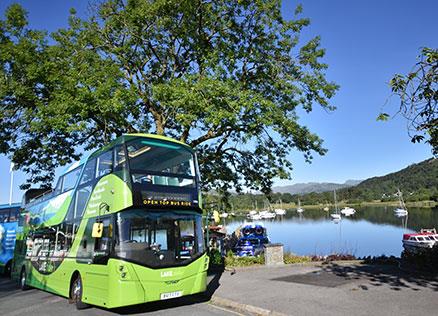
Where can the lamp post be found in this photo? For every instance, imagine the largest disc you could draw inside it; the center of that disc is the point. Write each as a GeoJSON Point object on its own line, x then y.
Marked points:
{"type": "Point", "coordinates": [11, 171]}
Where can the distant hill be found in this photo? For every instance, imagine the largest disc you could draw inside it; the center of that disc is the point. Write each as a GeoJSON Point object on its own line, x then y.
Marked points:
{"type": "Point", "coordinates": [415, 179]}
{"type": "Point", "coordinates": [418, 182]}
{"type": "Point", "coordinates": [317, 187]}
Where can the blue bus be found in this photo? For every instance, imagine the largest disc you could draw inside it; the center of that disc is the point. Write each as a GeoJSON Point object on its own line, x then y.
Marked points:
{"type": "Point", "coordinates": [8, 229]}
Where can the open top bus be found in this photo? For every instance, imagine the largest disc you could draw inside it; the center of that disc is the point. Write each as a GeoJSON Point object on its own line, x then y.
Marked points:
{"type": "Point", "coordinates": [121, 227]}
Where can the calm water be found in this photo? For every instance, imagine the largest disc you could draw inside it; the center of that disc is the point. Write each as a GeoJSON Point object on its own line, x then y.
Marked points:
{"type": "Point", "coordinates": [371, 231]}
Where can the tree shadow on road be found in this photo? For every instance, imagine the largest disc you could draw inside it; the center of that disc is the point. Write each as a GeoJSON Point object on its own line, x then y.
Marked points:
{"type": "Point", "coordinates": [380, 275]}
{"type": "Point", "coordinates": [212, 286]}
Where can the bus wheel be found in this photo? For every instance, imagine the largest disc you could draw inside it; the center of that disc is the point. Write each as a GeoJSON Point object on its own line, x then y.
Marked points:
{"type": "Point", "coordinates": [8, 269]}
{"type": "Point", "coordinates": [23, 280]}
{"type": "Point", "coordinates": [76, 293]}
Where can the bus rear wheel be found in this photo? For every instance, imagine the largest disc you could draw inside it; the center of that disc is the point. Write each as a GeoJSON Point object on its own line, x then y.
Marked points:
{"type": "Point", "coordinates": [8, 269]}
{"type": "Point", "coordinates": [23, 280]}
{"type": "Point", "coordinates": [76, 293]}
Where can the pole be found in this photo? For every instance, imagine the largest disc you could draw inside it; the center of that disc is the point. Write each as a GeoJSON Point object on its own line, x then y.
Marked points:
{"type": "Point", "coordinates": [11, 171]}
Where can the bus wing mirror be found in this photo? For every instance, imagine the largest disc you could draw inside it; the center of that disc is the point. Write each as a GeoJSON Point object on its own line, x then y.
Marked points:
{"type": "Point", "coordinates": [97, 230]}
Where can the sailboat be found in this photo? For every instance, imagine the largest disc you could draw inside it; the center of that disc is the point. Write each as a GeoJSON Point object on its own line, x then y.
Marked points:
{"type": "Point", "coordinates": [299, 209]}
{"type": "Point", "coordinates": [401, 210]}
{"type": "Point", "coordinates": [335, 215]}
{"type": "Point", "coordinates": [281, 210]}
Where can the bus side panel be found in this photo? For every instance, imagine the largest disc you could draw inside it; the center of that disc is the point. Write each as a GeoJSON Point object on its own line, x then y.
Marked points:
{"type": "Point", "coordinates": [95, 284]}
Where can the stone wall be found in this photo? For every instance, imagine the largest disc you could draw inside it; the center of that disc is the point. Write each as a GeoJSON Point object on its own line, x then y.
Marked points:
{"type": "Point", "coordinates": [273, 254]}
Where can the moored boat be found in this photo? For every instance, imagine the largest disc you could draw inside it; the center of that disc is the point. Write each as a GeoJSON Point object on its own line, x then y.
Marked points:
{"type": "Point", "coordinates": [348, 211]}
{"type": "Point", "coordinates": [336, 215]}
{"type": "Point", "coordinates": [417, 241]}
{"type": "Point", "coordinates": [401, 210]}
{"type": "Point", "coordinates": [251, 238]}
{"type": "Point", "coordinates": [299, 208]}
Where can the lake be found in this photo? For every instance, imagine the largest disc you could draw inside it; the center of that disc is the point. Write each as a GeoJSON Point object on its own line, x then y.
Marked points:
{"type": "Point", "coordinates": [372, 231]}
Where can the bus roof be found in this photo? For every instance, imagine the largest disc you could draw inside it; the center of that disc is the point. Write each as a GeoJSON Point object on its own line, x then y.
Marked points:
{"type": "Point", "coordinates": [6, 206]}
{"type": "Point", "coordinates": [119, 140]}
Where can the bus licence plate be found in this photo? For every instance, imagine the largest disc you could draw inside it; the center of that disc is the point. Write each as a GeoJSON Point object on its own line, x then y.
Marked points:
{"type": "Point", "coordinates": [166, 296]}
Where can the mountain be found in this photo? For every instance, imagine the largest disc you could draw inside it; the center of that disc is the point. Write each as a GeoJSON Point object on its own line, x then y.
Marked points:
{"type": "Point", "coordinates": [418, 182]}
{"type": "Point", "coordinates": [417, 179]}
{"type": "Point", "coordinates": [318, 187]}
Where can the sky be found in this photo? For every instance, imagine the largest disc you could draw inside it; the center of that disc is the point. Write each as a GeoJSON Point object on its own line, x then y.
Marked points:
{"type": "Point", "coordinates": [366, 43]}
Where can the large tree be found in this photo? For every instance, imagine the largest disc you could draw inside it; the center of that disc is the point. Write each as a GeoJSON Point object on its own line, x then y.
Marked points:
{"type": "Point", "coordinates": [226, 77]}
{"type": "Point", "coordinates": [418, 94]}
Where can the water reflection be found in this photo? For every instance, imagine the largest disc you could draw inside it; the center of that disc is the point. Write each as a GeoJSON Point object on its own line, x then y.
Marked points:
{"type": "Point", "coordinates": [371, 231]}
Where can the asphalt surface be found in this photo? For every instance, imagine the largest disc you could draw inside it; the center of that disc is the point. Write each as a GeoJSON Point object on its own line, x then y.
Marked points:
{"type": "Point", "coordinates": [14, 302]}
{"type": "Point", "coordinates": [334, 289]}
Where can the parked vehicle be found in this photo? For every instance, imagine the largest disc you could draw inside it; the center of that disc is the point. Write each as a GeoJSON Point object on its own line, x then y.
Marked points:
{"type": "Point", "coordinates": [251, 238]}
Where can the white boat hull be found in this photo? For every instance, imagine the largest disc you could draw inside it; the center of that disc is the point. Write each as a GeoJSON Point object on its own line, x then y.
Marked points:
{"type": "Point", "coordinates": [336, 216]}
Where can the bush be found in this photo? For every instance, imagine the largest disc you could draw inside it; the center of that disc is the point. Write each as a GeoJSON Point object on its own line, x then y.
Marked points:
{"type": "Point", "coordinates": [215, 257]}
{"type": "Point", "coordinates": [290, 258]}
{"type": "Point", "coordinates": [232, 261]}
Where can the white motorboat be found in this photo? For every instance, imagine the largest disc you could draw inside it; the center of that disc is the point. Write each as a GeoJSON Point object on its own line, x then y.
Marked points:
{"type": "Point", "coordinates": [348, 211]}
{"type": "Point", "coordinates": [417, 241]}
{"type": "Point", "coordinates": [267, 214]}
{"type": "Point", "coordinates": [256, 217]}
{"type": "Point", "coordinates": [431, 233]}
{"type": "Point", "coordinates": [280, 211]}
{"type": "Point", "coordinates": [336, 215]}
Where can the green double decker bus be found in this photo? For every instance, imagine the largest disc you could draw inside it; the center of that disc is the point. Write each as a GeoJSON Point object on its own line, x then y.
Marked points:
{"type": "Point", "coordinates": [122, 227]}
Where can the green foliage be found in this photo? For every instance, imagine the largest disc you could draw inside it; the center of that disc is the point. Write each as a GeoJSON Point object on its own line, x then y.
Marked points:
{"type": "Point", "coordinates": [418, 98]}
{"type": "Point", "coordinates": [233, 261]}
{"type": "Point", "coordinates": [290, 258]}
{"type": "Point", "coordinates": [224, 76]}
{"type": "Point", "coordinates": [215, 257]}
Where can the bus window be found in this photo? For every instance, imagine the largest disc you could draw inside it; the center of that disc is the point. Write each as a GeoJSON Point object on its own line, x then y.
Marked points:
{"type": "Point", "coordinates": [161, 164]}
{"type": "Point", "coordinates": [70, 179]}
{"type": "Point", "coordinates": [89, 171]}
{"type": "Point", "coordinates": [58, 187]}
{"type": "Point", "coordinates": [120, 158]}
{"type": "Point", "coordinates": [82, 196]}
{"type": "Point", "coordinates": [104, 164]}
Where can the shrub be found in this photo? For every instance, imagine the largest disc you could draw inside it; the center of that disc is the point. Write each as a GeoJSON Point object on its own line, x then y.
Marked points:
{"type": "Point", "coordinates": [290, 258]}
{"type": "Point", "coordinates": [215, 257]}
{"type": "Point", "coordinates": [232, 261]}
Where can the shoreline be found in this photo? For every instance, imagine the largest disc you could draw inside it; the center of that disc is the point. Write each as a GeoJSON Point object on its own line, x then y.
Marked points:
{"type": "Point", "coordinates": [419, 204]}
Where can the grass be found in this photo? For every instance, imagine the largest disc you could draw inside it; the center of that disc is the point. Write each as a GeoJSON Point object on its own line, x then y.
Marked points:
{"type": "Point", "coordinates": [233, 261]}
{"type": "Point", "coordinates": [290, 258]}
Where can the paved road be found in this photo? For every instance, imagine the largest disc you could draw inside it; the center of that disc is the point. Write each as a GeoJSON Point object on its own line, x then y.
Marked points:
{"type": "Point", "coordinates": [335, 289]}
{"type": "Point", "coordinates": [14, 302]}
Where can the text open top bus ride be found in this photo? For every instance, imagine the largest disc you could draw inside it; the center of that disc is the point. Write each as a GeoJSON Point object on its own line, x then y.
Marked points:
{"type": "Point", "coordinates": [121, 227]}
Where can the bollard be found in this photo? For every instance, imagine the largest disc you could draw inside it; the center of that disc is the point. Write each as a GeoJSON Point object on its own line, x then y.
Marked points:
{"type": "Point", "coordinates": [273, 254]}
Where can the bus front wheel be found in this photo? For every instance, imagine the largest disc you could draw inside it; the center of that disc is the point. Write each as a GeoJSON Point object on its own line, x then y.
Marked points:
{"type": "Point", "coordinates": [23, 280]}
{"type": "Point", "coordinates": [76, 293]}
